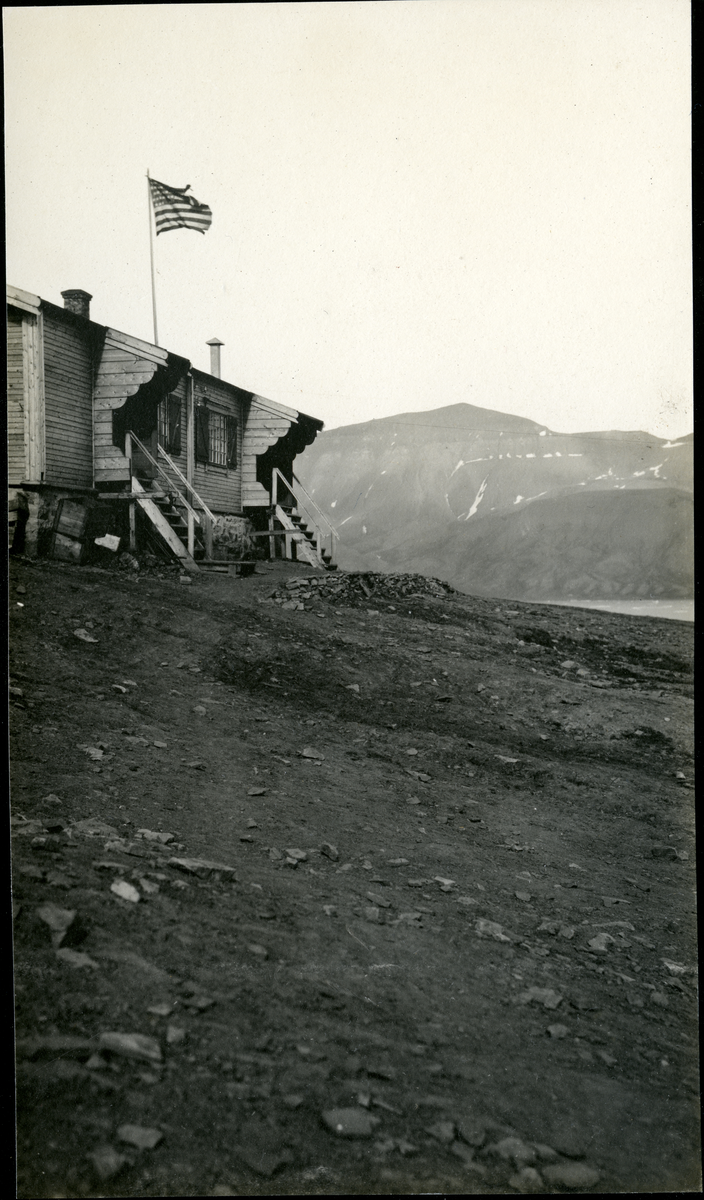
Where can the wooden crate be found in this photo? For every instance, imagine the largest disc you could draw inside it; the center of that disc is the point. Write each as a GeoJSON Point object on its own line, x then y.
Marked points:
{"type": "Point", "coordinates": [71, 518]}
{"type": "Point", "coordinates": [67, 549]}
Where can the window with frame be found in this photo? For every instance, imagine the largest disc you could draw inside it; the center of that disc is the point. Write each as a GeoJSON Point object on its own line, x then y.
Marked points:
{"type": "Point", "coordinates": [169, 424]}
{"type": "Point", "coordinates": [216, 437]}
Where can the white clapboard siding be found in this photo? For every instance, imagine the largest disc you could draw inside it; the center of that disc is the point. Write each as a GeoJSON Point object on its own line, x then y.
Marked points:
{"type": "Point", "coordinates": [125, 364]}
{"type": "Point", "coordinates": [220, 487]}
{"type": "Point", "coordinates": [68, 385]}
{"type": "Point", "coordinates": [16, 451]}
{"type": "Point", "coordinates": [266, 423]}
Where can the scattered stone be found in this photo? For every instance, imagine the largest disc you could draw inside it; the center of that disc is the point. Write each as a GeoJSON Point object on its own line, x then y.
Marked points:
{"type": "Point", "coordinates": [674, 968]}
{"type": "Point", "coordinates": [663, 852]}
{"type": "Point", "coordinates": [143, 1137]}
{"type": "Point", "coordinates": [175, 1034]}
{"type": "Point", "coordinates": [84, 636]}
{"type": "Point", "coordinates": [472, 1132]}
{"type": "Point", "coordinates": [75, 958]}
{"type": "Point", "coordinates": [525, 896]}
{"type": "Point", "coordinates": [258, 951]}
{"type": "Point", "coordinates": [202, 867]}
{"type": "Point", "coordinates": [298, 855]}
{"type": "Point", "coordinates": [527, 1180]}
{"type": "Point", "coordinates": [601, 942]}
{"type": "Point", "coordinates": [311, 752]}
{"type": "Point", "coordinates": [465, 1153]}
{"type": "Point", "coordinates": [490, 929]}
{"type": "Point", "coordinates": [442, 1131]}
{"type": "Point", "coordinates": [149, 888]}
{"type": "Point", "coordinates": [330, 851]}
{"type": "Point", "coordinates": [371, 913]}
{"type": "Point", "coordinates": [31, 872]}
{"type": "Point", "coordinates": [160, 1010]}
{"type": "Point", "coordinates": [52, 1045]}
{"type": "Point", "coordinates": [131, 1045]}
{"type": "Point", "coordinates": [511, 1149]}
{"type": "Point", "coordinates": [330, 910]}
{"type": "Point", "coordinates": [93, 827]}
{"type": "Point", "coordinates": [125, 891]}
{"type": "Point", "coordinates": [660, 999]}
{"type": "Point", "coordinates": [107, 1163]}
{"type": "Point", "coordinates": [257, 791]}
{"type": "Point", "coordinates": [571, 1175]}
{"type": "Point", "coordinates": [545, 996]}
{"type": "Point", "coordinates": [350, 1122]}
{"type": "Point", "coordinates": [353, 687]}
{"type": "Point", "coordinates": [545, 1153]}
{"type": "Point", "coordinates": [58, 919]}
{"type": "Point", "coordinates": [378, 900]}
{"type": "Point", "coordinates": [152, 835]}
{"type": "Point", "coordinates": [558, 1031]}
{"type": "Point", "coordinates": [58, 879]}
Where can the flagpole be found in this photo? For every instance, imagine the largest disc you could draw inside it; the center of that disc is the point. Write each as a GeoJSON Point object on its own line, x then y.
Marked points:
{"type": "Point", "coordinates": [151, 256]}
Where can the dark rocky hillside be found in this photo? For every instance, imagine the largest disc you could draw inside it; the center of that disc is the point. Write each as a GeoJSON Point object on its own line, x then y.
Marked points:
{"type": "Point", "coordinates": [500, 505]}
{"type": "Point", "coordinates": [332, 884]}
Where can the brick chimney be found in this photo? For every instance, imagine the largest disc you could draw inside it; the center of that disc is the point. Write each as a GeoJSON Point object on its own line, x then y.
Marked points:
{"type": "Point", "coordinates": [215, 345]}
{"type": "Point", "coordinates": [77, 301]}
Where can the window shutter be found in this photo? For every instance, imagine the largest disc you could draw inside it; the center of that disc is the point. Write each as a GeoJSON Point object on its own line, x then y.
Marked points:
{"type": "Point", "coordinates": [202, 434]}
{"type": "Point", "coordinates": [231, 442]}
{"type": "Point", "coordinates": [174, 417]}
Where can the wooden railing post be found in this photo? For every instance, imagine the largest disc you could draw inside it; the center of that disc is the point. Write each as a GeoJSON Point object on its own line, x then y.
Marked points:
{"type": "Point", "coordinates": [208, 536]}
{"type": "Point", "coordinates": [132, 505]}
{"type": "Point", "coordinates": [272, 540]}
{"type": "Point", "coordinates": [191, 532]}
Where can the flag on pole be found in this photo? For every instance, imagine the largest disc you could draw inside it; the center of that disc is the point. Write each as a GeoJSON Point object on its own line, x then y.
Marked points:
{"type": "Point", "coordinates": [174, 209]}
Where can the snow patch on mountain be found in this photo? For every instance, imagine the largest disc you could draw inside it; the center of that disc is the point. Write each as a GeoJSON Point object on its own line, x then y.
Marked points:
{"type": "Point", "coordinates": [477, 499]}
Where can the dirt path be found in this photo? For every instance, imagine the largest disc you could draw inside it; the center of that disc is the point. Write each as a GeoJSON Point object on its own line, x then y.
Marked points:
{"type": "Point", "coordinates": [480, 959]}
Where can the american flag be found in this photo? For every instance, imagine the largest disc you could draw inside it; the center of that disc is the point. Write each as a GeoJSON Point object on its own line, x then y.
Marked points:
{"type": "Point", "coordinates": [173, 209]}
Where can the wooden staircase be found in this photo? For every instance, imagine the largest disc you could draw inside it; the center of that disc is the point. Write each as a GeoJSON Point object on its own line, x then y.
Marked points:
{"type": "Point", "coordinates": [302, 537]}
{"type": "Point", "coordinates": [294, 513]}
{"type": "Point", "coordinates": [161, 509]}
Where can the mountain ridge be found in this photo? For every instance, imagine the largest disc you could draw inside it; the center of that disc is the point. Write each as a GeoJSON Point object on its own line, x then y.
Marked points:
{"type": "Point", "coordinates": [400, 490]}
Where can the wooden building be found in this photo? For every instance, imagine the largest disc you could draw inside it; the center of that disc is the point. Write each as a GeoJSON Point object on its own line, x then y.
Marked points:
{"type": "Point", "coordinates": [200, 463]}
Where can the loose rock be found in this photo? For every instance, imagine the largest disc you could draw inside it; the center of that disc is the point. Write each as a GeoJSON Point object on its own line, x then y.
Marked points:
{"type": "Point", "coordinates": [131, 1045]}
{"type": "Point", "coordinates": [125, 891]}
{"type": "Point", "coordinates": [571, 1175]}
{"type": "Point", "coordinates": [140, 1136]}
{"type": "Point", "coordinates": [528, 1181]}
{"type": "Point", "coordinates": [491, 929]}
{"type": "Point", "coordinates": [350, 1122]}
{"type": "Point", "coordinates": [107, 1162]}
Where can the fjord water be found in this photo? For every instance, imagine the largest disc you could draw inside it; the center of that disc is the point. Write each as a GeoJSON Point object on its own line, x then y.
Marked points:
{"type": "Point", "coordinates": [671, 610]}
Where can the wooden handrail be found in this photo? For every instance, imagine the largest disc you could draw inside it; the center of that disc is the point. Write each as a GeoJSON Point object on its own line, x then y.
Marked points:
{"type": "Point", "coordinates": [294, 489]}
{"type": "Point", "coordinates": [183, 479]}
{"type": "Point", "coordinates": [160, 469]}
{"type": "Point", "coordinates": [328, 522]}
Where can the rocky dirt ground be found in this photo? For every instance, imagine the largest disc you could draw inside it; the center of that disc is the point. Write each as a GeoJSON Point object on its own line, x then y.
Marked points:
{"type": "Point", "coordinates": [355, 885]}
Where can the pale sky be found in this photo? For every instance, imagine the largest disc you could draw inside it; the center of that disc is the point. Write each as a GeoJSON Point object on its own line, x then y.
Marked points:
{"type": "Point", "coordinates": [414, 203]}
